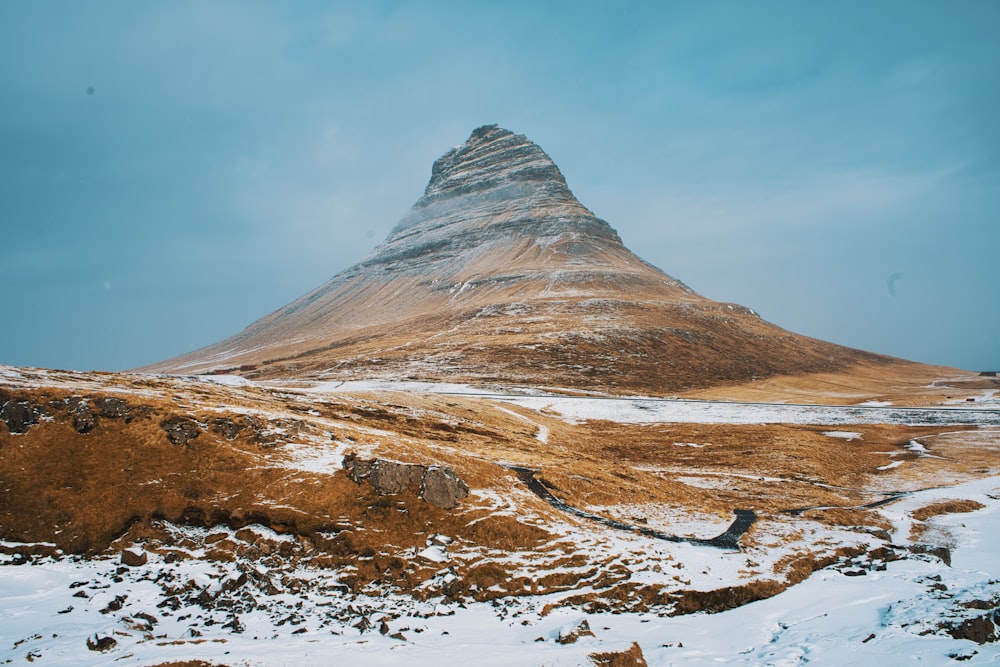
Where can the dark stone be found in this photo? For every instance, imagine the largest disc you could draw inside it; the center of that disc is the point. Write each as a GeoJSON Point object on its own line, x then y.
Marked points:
{"type": "Point", "coordinates": [357, 469]}
{"type": "Point", "coordinates": [84, 419]}
{"type": "Point", "coordinates": [442, 488]}
{"type": "Point", "coordinates": [193, 516]}
{"type": "Point", "coordinates": [980, 629]}
{"type": "Point", "coordinates": [391, 477]}
{"type": "Point", "coordinates": [18, 415]}
{"type": "Point", "coordinates": [115, 605]}
{"type": "Point", "coordinates": [941, 553]}
{"type": "Point", "coordinates": [439, 486]}
{"type": "Point", "coordinates": [134, 558]}
{"type": "Point", "coordinates": [885, 554]}
{"type": "Point", "coordinates": [113, 408]}
{"type": "Point", "coordinates": [102, 644]}
{"type": "Point", "coordinates": [180, 430]}
{"type": "Point", "coordinates": [226, 427]}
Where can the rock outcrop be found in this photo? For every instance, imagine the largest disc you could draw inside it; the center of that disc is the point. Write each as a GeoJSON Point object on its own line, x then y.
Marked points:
{"type": "Point", "coordinates": [19, 416]}
{"type": "Point", "coordinates": [180, 430]}
{"type": "Point", "coordinates": [437, 485]}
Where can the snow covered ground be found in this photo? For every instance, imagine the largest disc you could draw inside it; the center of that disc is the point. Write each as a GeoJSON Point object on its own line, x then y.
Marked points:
{"type": "Point", "coordinates": [646, 410]}
{"type": "Point", "coordinates": [50, 608]}
{"type": "Point", "coordinates": [651, 410]}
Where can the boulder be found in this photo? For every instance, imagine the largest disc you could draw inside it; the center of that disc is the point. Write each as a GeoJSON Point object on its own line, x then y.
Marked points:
{"type": "Point", "coordinates": [84, 419]}
{"type": "Point", "coordinates": [980, 629]}
{"type": "Point", "coordinates": [442, 488]}
{"type": "Point", "coordinates": [102, 644]}
{"type": "Point", "coordinates": [113, 408]}
{"type": "Point", "coordinates": [180, 430]}
{"type": "Point", "coordinates": [389, 477]}
{"type": "Point", "coordinates": [438, 486]}
{"type": "Point", "coordinates": [357, 469]}
{"type": "Point", "coordinates": [226, 427]}
{"type": "Point", "coordinates": [134, 557]}
{"type": "Point", "coordinates": [941, 553]}
{"type": "Point", "coordinates": [18, 415]}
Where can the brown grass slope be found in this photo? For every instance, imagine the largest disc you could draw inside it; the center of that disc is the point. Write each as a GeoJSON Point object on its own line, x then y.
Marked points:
{"type": "Point", "coordinates": [257, 460]}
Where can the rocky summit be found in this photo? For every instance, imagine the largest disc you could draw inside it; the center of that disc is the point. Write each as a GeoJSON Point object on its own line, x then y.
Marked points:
{"type": "Point", "coordinates": [498, 274]}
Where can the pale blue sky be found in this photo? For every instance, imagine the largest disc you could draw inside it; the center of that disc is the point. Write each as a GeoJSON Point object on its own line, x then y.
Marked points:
{"type": "Point", "coordinates": [788, 156]}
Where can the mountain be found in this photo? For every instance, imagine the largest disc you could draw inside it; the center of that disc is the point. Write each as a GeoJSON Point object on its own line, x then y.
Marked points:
{"type": "Point", "coordinates": [498, 274]}
{"type": "Point", "coordinates": [173, 519]}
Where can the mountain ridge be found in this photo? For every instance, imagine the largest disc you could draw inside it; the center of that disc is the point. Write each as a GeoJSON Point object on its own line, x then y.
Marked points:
{"type": "Point", "coordinates": [499, 274]}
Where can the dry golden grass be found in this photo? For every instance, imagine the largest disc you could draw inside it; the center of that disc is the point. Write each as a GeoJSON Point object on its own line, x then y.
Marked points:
{"type": "Point", "coordinates": [946, 507]}
{"type": "Point", "coordinates": [631, 657]}
{"type": "Point", "coordinates": [119, 483]}
{"type": "Point", "coordinates": [899, 382]}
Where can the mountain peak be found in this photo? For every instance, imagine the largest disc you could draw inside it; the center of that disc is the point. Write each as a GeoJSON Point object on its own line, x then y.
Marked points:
{"type": "Point", "coordinates": [491, 157]}
{"type": "Point", "coordinates": [499, 275]}
{"type": "Point", "coordinates": [494, 170]}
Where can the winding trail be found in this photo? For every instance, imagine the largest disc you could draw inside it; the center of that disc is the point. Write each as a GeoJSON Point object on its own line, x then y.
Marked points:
{"type": "Point", "coordinates": [730, 539]}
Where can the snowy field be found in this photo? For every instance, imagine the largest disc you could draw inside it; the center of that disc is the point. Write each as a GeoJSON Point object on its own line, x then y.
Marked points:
{"type": "Point", "coordinates": [63, 611]}
{"type": "Point", "coordinates": [50, 608]}
{"type": "Point", "coordinates": [645, 410]}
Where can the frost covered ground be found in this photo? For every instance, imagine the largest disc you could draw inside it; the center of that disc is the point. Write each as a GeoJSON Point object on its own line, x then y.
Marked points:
{"type": "Point", "coordinates": [647, 410]}
{"type": "Point", "coordinates": [865, 610]}
{"type": "Point", "coordinates": [50, 608]}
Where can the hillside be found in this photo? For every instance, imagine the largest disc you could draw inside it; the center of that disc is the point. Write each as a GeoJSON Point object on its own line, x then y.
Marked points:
{"type": "Point", "coordinates": [498, 275]}
{"type": "Point", "coordinates": [172, 518]}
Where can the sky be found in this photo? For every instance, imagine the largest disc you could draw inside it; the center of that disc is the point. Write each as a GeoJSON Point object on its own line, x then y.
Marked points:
{"type": "Point", "coordinates": [172, 171]}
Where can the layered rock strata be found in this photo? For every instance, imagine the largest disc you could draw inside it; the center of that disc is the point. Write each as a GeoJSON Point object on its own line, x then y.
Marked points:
{"type": "Point", "coordinates": [498, 274]}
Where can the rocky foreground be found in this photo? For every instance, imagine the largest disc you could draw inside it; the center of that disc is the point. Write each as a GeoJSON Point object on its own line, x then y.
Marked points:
{"type": "Point", "coordinates": [147, 518]}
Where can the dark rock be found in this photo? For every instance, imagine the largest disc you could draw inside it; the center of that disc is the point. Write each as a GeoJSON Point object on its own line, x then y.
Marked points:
{"type": "Point", "coordinates": [180, 430]}
{"type": "Point", "coordinates": [102, 644]}
{"type": "Point", "coordinates": [84, 419]}
{"type": "Point", "coordinates": [18, 415]}
{"type": "Point", "coordinates": [962, 656]}
{"type": "Point", "coordinates": [235, 625]}
{"type": "Point", "coordinates": [115, 605]}
{"type": "Point", "coordinates": [193, 516]}
{"type": "Point", "coordinates": [134, 558]}
{"type": "Point", "coordinates": [391, 477]}
{"type": "Point", "coordinates": [439, 486]}
{"type": "Point", "coordinates": [886, 554]}
{"type": "Point", "coordinates": [980, 629]}
{"type": "Point", "coordinates": [442, 488]}
{"type": "Point", "coordinates": [226, 427]}
{"type": "Point", "coordinates": [113, 408]}
{"type": "Point", "coordinates": [148, 618]}
{"type": "Point", "coordinates": [357, 469]}
{"type": "Point", "coordinates": [941, 553]}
